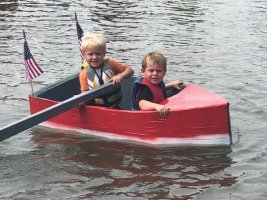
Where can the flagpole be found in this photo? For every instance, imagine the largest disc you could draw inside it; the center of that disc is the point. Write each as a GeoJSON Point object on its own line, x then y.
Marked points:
{"type": "Point", "coordinates": [32, 87]}
{"type": "Point", "coordinates": [76, 17]}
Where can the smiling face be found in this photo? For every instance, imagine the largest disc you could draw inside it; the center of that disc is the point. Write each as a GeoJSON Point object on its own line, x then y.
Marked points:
{"type": "Point", "coordinates": [94, 56]}
{"type": "Point", "coordinates": [153, 72]}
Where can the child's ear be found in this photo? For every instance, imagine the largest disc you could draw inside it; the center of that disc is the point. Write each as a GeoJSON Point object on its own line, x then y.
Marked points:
{"type": "Point", "coordinates": [142, 71]}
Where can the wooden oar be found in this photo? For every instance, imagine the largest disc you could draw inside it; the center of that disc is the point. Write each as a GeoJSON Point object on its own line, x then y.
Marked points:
{"type": "Point", "coordinates": [32, 120]}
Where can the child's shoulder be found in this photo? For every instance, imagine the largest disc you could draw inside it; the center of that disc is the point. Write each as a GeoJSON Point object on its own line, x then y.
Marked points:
{"type": "Point", "coordinates": [83, 72]}
{"type": "Point", "coordinates": [112, 60]}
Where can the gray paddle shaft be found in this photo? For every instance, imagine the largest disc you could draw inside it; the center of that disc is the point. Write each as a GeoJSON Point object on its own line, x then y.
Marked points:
{"type": "Point", "coordinates": [37, 118]}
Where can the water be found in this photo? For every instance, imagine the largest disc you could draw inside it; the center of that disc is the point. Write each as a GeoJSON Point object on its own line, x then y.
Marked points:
{"type": "Point", "coordinates": [219, 44]}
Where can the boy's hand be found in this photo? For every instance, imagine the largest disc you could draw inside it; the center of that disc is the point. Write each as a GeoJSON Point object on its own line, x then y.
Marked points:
{"type": "Point", "coordinates": [116, 79]}
{"type": "Point", "coordinates": [177, 84]}
{"type": "Point", "coordinates": [81, 104]}
{"type": "Point", "coordinates": [163, 111]}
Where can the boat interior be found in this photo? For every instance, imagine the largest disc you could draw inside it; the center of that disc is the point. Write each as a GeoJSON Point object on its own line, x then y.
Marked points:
{"type": "Point", "coordinates": [70, 86]}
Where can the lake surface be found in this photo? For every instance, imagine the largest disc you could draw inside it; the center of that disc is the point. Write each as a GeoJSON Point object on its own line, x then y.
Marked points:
{"type": "Point", "coordinates": [220, 45]}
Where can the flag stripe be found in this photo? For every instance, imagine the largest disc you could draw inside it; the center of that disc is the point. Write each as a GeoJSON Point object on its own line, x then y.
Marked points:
{"type": "Point", "coordinates": [33, 70]}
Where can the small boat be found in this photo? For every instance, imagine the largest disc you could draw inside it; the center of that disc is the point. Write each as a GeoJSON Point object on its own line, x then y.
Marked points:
{"type": "Point", "coordinates": [197, 116]}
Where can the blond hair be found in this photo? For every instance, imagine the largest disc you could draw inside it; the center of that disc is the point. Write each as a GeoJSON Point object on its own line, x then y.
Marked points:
{"type": "Point", "coordinates": [156, 58]}
{"type": "Point", "coordinates": [94, 40]}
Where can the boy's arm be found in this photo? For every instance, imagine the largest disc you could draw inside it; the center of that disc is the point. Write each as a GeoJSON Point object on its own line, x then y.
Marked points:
{"type": "Point", "coordinates": [84, 86]}
{"type": "Point", "coordinates": [174, 84]}
{"type": "Point", "coordinates": [148, 105]}
{"type": "Point", "coordinates": [127, 72]}
{"type": "Point", "coordinates": [121, 71]}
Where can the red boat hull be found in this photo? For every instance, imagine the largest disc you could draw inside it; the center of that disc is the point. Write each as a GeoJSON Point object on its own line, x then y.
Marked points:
{"type": "Point", "coordinates": [197, 116]}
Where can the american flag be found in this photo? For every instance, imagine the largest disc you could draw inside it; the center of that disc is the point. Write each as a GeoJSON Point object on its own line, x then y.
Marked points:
{"type": "Point", "coordinates": [80, 34]}
{"type": "Point", "coordinates": [32, 68]}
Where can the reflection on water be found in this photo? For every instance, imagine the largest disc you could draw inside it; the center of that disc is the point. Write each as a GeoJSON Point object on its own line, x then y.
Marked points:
{"type": "Point", "coordinates": [165, 172]}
